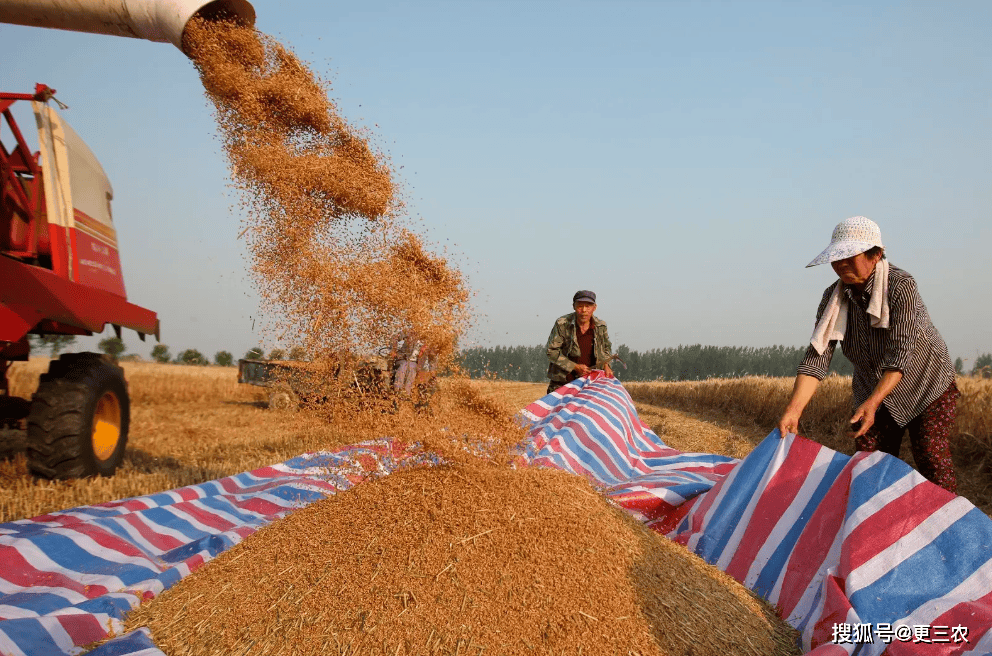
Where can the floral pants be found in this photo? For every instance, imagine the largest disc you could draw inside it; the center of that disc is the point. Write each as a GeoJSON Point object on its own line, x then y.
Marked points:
{"type": "Point", "coordinates": [928, 438]}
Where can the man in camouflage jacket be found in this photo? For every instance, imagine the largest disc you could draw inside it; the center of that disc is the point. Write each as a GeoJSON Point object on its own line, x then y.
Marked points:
{"type": "Point", "coordinates": [578, 343]}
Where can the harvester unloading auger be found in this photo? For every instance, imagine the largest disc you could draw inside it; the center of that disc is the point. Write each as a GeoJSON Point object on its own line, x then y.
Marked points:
{"type": "Point", "coordinates": [59, 265]}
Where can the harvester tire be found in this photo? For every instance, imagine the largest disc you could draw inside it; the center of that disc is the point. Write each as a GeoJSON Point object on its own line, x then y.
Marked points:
{"type": "Point", "coordinates": [79, 418]}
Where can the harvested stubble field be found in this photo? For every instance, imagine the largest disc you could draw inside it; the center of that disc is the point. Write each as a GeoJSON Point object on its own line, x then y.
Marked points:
{"type": "Point", "coordinates": [193, 424]}
{"type": "Point", "coordinates": [751, 407]}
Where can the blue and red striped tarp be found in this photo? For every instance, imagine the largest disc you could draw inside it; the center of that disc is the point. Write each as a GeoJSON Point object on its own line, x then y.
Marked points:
{"type": "Point", "coordinates": [850, 548]}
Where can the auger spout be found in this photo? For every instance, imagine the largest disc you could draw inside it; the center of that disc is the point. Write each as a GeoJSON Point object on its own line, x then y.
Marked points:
{"type": "Point", "coordinates": [153, 20]}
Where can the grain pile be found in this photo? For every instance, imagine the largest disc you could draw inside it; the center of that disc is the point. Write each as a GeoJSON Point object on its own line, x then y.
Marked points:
{"type": "Point", "coordinates": [337, 266]}
{"type": "Point", "coordinates": [461, 560]}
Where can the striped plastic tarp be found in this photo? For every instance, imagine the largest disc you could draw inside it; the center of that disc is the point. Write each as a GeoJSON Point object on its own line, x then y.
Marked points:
{"type": "Point", "coordinates": [855, 551]}
{"type": "Point", "coordinates": [67, 578]}
{"type": "Point", "coordinates": [833, 540]}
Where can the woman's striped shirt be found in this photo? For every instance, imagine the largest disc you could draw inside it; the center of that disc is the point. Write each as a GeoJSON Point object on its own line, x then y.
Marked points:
{"type": "Point", "coordinates": [910, 344]}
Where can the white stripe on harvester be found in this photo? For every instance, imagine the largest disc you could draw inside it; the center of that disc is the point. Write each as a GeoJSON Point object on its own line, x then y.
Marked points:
{"type": "Point", "coordinates": [786, 522]}
{"type": "Point", "coordinates": [922, 535]}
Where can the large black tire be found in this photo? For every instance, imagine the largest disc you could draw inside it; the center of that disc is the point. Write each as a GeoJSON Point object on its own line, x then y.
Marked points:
{"type": "Point", "coordinates": [79, 418]}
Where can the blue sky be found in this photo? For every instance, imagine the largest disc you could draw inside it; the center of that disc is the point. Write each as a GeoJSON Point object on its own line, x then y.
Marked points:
{"type": "Point", "coordinates": [684, 160]}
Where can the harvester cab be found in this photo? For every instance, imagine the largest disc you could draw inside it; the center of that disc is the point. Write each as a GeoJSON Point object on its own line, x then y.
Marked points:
{"type": "Point", "coordinates": [61, 275]}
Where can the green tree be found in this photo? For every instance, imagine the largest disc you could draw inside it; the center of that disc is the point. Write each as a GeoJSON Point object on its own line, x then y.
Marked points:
{"type": "Point", "coordinates": [297, 353]}
{"type": "Point", "coordinates": [160, 353]}
{"type": "Point", "coordinates": [54, 343]}
{"type": "Point", "coordinates": [277, 354]}
{"type": "Point", "coordinates": [112, 346]}
{"type": "Point", "coordinates": [959, 366]}
{"type": "Point", "coordinates": [191, 356]}
{"type": "Point", "coordinates": [254, 354]}
{"type": "Point", "coordinates": [223, 358]}
{"type": "Point", "coordinates": [983, 366]}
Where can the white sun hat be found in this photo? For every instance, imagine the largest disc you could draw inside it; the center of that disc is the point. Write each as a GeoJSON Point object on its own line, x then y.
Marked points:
{"type": "Point", "coordinates": [851, 236]}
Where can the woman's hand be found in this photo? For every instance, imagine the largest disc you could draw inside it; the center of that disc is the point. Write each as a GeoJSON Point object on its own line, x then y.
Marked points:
{"type": "Point", "coordinates": [582, 370]}
{"type": "Point", "coordinates": [789, 423]}
{"type": "Point", "coordinates": [865, 414]}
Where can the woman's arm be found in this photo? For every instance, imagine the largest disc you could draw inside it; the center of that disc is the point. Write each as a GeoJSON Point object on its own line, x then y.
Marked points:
{"type": "Point", "coordinates": [802, 392]}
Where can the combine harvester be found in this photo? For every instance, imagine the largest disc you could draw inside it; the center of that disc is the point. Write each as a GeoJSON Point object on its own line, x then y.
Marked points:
{"type": "Point", "coordinates": [61, 275]}
{"type": "Point", "coordinates": [59, 262]}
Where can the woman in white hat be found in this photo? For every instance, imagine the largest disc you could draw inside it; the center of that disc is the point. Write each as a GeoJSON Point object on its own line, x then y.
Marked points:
{"type": "Point", "coordinates": [903, 376]}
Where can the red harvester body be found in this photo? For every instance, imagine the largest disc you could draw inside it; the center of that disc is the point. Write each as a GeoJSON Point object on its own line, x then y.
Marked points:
{"type": "Point", "coordinates": [60, 275]}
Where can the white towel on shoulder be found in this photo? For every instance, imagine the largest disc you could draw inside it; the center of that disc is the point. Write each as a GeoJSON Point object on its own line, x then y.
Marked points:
{"type": "Point", "coordinates": [833, 321]}
{"type": "Point", "coordinates": [878, 304]}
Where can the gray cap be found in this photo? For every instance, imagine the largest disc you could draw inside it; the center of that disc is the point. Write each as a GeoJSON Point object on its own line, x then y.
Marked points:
{"type": "Point", "coordinates": [584, 295]}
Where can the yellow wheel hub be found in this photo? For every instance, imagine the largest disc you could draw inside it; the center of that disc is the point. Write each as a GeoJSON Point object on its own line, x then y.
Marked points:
{"type": "Point", "coordinates": [106, 426]}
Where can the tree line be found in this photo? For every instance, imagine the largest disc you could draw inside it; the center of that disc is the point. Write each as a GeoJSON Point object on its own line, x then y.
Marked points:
{"type": "Point", "coordinates": [683, 362]}
{"type": "Point", "coordinates": [115, 347]}
{"type": "Point", "coordinates": [530, 363]}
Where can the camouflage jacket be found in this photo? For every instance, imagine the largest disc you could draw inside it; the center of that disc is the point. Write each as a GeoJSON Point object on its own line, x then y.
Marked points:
{"type": "Point", "coordinates": [563, 347]}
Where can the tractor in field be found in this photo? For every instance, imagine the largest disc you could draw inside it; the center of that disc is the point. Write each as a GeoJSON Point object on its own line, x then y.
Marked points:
{"type": "Point", "coordinates": [60, 272]}
{"type": "Point", "coordinates": [292, 383]}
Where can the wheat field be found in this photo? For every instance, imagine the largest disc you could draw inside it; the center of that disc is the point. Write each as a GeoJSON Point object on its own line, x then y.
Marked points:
{"type": "Point", "coordinates": [192, 424]}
